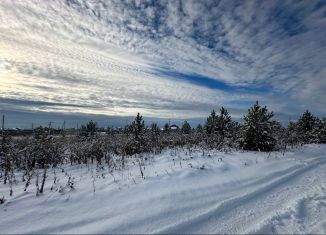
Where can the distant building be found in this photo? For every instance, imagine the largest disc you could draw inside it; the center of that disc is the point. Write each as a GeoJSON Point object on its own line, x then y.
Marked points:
{"type": "Point", "coordinates": [174, 127]}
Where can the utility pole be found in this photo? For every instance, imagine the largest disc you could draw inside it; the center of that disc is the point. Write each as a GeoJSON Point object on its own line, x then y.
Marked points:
{"type": "Point", "coordinates": [50, 126]}
{"type": "Point", "coordinates": [63, 128]}
{"type": "Point", "coordinates": [3, 127]}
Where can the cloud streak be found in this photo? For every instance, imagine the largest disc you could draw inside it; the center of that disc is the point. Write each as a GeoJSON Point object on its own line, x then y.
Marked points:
{"type": "Point", "coordinates": [175, 59]}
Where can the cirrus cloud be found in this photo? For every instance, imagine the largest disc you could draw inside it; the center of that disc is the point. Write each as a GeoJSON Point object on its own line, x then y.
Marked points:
{"type": "Point", "coordinates": [175, 59]}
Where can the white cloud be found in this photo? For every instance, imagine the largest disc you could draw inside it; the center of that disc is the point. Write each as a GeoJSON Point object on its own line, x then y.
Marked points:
{"type": "Point", "coordinates": [102, 54]}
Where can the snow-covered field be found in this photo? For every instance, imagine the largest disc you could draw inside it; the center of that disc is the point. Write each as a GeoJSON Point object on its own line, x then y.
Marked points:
{"type": "Point", "coordinates": [181, 192]}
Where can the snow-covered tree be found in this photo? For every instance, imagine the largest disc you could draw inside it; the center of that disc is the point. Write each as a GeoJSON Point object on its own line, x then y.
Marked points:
{"type": "Point", "coordinates": [210, 124]}
{"type": "Point", "coordinates": [257, 129]}
{"type": "Point", "coordinates": [218, 128]}
{"type": "Point", "coordinates": [322, 131]}
{"type": "Point", "coordinates": [306, 128]}
{"type": "Point", "coordinates": [155, 130]}
{"type": "Point", "coordinates": [199, 128]}
{"type": "Point", "coordinates": [218, 124]}
{"type": "Point", "coordinates": [186, 128]}
{"type": "Point", "coordinates": [89, 129]}
{"type": "Point", "coordinates": [223, 123]}
{"type": "Point", "coordinates": [138, 126]}
{"type": "Point", "coordinates": [292, 137]}
{"type": "Point", "coordinates": [6, 161]}
{"type": "Point", "coordinates": [234, 135]}
{"type": "Point", "coordinates": [279, 134]}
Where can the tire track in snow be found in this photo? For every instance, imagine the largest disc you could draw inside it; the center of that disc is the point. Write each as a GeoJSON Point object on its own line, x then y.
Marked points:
{"type": "Point", "coordinates": [206, 219]}
{"type": "Point", "coordinates": [303, 215]}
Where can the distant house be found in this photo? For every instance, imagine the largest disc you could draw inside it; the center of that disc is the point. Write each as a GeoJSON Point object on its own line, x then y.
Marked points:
{"type": "Point", "coordinates": [174, 127]}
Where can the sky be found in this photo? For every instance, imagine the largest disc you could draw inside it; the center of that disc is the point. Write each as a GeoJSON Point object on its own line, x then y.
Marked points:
{"type": "Point", "coordinates": [78, 60]}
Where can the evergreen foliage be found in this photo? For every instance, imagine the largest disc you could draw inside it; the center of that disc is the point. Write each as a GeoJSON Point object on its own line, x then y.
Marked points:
{"type": "Point", "coordinates": [166, 127]}
{"type": "Point", "coordinates": [219, 128]}
{"type": "Point", "coordinates": [155, 130]}
{"type": "Point", "coordinates": [186, 128]}
{"type": "Point", "coordinates": [199, 128]}
{"type": "Point", "coordinates": [210, 125]}
{"type": "Point", "coordinates": [292, 137]}
{"type": "Point", "coordinates": [257, 129]}
{"type": "Point", "coordinates": [306, 126]}
{"type": "Point", "coordinates": [89, 130]}
{"type": "Point", "coordinates": [138, 127]}
{"type": "Point", "coordinates": [223, 123]}
{"type": "Point", "coordinates": [321, 131]}
{"type": "Point", "coordinates": [218, 124]}
{"type": "Point", "coordinates": [47, 148]}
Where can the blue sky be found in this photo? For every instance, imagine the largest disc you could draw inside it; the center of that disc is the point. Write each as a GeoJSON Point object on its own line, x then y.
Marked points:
{"type": "Point", "coordinates": [81, 59]}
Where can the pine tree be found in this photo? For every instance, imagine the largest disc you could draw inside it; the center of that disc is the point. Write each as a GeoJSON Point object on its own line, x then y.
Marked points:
{"type": "Point", "coordinates": [223, 123]}
{"type": "Point", "coordinates": [279, 134]}
{"type": "Point", "coordinates": [155, 131]}
{"type": "Point", "coordinates": [166, 127]}
{"type": "Point", "coordinates": [186, 128]}
{"type": "Point", "coordinates": [199, 128]}
{"type": "Point", "coordinates": [6, 164]}
{"type": "Point", "coordinates": [322, 131]}
{"type": "Point", "coordinates": [307, 121]}
{"type": "Point", "coordinates": [210, 124]}
{"type": "Point", "coordinates": [127, 130]}
{"type": "Point", "coordinates": [257, 130]}
{"type": "Point", "coordinates": [305, 127]}
{"type": "Point", "coordinates": [138, 127]}
{"type": "Point", "coordinates": [89, 130]}
{"type": "Point", "coordinates": [218, 124]}
{"type": "Point", "coordinates": [234, 134]}
{"type": "Point", "coordinates": [91, 127]}
{"type": "Point", "coordinates": [218, 128]}
{"type": "Point", "coordinates": [154, 128]}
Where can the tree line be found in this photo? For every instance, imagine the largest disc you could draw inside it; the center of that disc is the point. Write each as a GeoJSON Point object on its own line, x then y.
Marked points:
{"type": "Point", "coordinates": [35, 155]}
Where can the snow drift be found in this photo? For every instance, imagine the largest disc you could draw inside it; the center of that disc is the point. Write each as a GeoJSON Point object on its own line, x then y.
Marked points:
{"type": "Point", "coordinates": [181, 191]}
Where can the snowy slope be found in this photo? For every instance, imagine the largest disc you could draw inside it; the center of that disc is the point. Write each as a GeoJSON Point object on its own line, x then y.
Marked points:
{"type": "Point", "coordinates": [182, 192]}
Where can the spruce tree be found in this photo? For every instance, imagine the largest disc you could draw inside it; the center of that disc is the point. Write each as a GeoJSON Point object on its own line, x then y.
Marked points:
{"type": "Point", "coordinates": [218, 128]}
{"type": "Point", "coordinates": [218, 124]}
{"type": "Point", "coordinates": [307, 121]}
{"type": "Point", "coordinates": [138, 127]}
{"type": "Point", "coordinates": [166, 127]}
{"type": "Point", "coordinates": [199, 128]}
{"type": "Point", "coordinates": [155, 131]}
{"type": "Point", "coordinates": [305, 128]}
{"type": "Point", "coordinates": [234, 134]}
{"type": "Point", "coordinates": [223, 123]}
{"type": "Point", "coordinates": [89, 129]}
{"type": "Point", "coordinates": [322, 131]}
{"type": "Point", "coordinates": [278, 132]}
{"type": "Point", "coordinates": [154, 128]}
{"type": "Point", "coordinates": [210, 124]}
{"type": "Point", "coordinates": [186, 128]}
{"type": "Point", "coordinates": [257, 129]}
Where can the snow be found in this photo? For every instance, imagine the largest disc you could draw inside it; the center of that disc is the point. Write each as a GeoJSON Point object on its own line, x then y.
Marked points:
{"type": "Point", "coordinates": [182, 192]}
